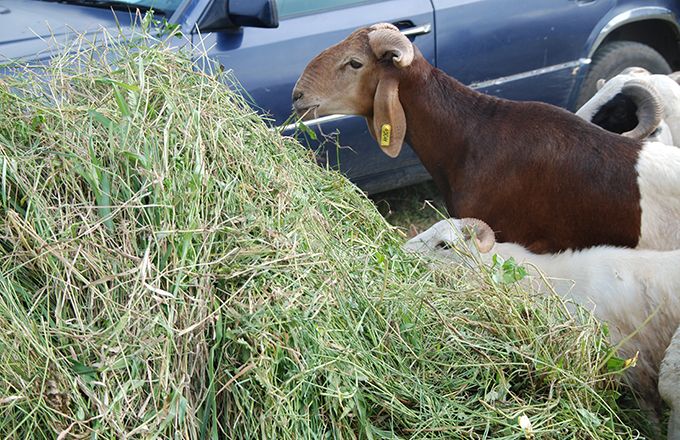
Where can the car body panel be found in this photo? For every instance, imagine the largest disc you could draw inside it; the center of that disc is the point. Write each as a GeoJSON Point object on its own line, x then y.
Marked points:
{"type": "Point", "coordinates": [623, 13]}
{"type": "Point", "coordinates": [528, 49]}
{"type": "Point", "coordinates": [34, 24]}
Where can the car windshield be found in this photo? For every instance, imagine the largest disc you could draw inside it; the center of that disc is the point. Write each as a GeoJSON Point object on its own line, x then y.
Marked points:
{"type": "Point", "coordinates": [167, 7]}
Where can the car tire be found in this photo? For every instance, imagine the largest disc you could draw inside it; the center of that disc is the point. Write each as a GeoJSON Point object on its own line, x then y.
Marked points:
{"type": "Point", "coordinates": [612, 58]}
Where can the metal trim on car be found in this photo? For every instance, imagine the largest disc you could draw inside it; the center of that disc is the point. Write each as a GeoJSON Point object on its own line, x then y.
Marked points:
{"type": "Point", "coordinates": [631, 16]}
{"type": "Point", "coordinates": [316, 121]}
{"type": "Point", "coordinates": [418, 30]}
{"type": "Point", "coordinates": [530, 73]}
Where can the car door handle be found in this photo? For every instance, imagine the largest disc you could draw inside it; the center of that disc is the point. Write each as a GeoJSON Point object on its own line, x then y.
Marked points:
{"type": "Point", "coordinates": [417, 30]}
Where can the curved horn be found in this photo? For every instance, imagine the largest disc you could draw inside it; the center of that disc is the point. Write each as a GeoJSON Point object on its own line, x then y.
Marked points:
{"type": "Point", "coordinates": [649, 104]}
{"type": "Point", "coordinates": [595, 103]}
{"type": "Point", "coordinates": [634, 70]}
{"type": "Point", "coordinates": [675, 76]}
{"type": "Point", "coordinates": [385, 38]}
{"type": "Point", "coordinates": [484, 236]}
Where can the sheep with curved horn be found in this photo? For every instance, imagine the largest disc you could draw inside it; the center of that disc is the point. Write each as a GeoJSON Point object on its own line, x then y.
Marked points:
{"type": "Point", "coordinates": [637, 292]}
{"type": "Point", "coordinates": [637, 104]}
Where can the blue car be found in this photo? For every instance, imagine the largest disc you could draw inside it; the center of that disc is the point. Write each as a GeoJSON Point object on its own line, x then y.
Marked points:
{"type": "Point", "coordinates": [547, 50]}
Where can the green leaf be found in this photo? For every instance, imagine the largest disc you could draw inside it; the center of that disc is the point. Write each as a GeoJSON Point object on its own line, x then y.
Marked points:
{"type": "Point", "coordinates": [88, 373]}
{"type": "Point", "coordinates": [506, 271]}
{"type": "Point", "coordinates": [120, 100]}
{"type": "Point", "coordinates": [130, 87]}
{"type": "Point", "coordinates": [95, 115]}
{"type": "Point", "coordinates": [615, 364]}
{"type": "Point", "coordinates": [104, 199]}
{"type": "Point", "coordinates": [589, 418]}
{"type": "Point", "coordinates": [306, 130]}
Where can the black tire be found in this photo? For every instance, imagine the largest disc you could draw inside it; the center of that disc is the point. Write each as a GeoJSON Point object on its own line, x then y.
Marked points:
{"type": "Point", "coordinates": [612, 58]}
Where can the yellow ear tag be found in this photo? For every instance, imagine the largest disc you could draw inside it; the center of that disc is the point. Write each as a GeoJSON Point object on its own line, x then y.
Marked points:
{"type": "Point", "coordinates": [385, 133]}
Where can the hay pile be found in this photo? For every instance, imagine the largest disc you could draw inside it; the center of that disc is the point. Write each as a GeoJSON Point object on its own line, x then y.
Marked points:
{"type": "Point", "coordinates": [171, 268]}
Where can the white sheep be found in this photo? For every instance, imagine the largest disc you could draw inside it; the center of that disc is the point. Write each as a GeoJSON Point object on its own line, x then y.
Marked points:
{"type": "Point", "coordinates": [669, 384]}
{"type": "Point", "coordinates": [616, 109]}
{"type": "Point", "coordinates": [637, 292]}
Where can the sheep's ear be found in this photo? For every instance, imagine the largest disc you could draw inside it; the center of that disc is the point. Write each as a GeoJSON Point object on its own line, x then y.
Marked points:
{"type": "Point", "coordinates": [388, 124]}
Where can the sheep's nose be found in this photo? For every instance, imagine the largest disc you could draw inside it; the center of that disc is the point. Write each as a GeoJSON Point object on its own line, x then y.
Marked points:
{"type": "Point", "coordinates": [297, 95]}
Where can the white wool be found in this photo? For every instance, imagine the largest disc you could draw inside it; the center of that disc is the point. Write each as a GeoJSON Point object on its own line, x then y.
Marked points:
{"type": "Point", "coordinates": [658, 168]}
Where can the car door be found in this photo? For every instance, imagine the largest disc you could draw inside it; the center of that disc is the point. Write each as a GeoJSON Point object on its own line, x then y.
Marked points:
{"type": "Point", "coordinates": [525, 50]}
{"type": "Point", "coordinates": [268, 62]}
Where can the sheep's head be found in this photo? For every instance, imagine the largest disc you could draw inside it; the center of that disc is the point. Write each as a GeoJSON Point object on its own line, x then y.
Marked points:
{"type": "Point", "coordinates": [628, 104]}
{"type": "Point", "coordinates": [359, 76]}
{"type": "Point", "coordinates": [440, 239]}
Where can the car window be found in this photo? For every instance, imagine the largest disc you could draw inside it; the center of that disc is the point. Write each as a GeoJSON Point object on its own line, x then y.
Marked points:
{"type": "Point", "coordinates": [288, 8]}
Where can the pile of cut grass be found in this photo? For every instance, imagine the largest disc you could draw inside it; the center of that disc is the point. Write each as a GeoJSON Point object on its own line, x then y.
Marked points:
{"type": "Point", "coordinates": [172, 268]}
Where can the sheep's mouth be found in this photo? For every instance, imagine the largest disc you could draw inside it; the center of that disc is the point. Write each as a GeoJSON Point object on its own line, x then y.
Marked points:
{"type": "Point", "coordinates": [307, 113]}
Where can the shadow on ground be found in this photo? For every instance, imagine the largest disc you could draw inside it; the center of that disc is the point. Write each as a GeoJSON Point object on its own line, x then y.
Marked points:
{"type": "Point", "coordinates": [413, 208]}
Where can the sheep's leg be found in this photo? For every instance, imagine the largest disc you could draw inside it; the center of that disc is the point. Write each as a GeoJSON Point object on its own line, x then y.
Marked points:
{"type": "Point", "coordinates": [669, 384]}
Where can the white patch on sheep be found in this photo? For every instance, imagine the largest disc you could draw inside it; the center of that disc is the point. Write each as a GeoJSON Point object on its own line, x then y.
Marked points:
{"type": "Point", "coordinates": [659, 182]}
{"type": "Point", "coordinates": [669, 378]}
{"type": "Point", "coordinates": [670, 93]}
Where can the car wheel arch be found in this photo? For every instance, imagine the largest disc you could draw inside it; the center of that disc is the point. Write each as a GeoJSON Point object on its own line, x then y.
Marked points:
{"type": "Point", "coordinates": [629, 26]}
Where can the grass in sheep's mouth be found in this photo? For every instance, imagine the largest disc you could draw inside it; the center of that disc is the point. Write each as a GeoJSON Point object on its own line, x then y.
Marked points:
{"type": "Point", "coordinates": [171, 268]}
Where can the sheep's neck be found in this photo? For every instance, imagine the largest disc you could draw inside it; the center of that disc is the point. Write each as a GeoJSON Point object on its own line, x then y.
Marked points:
{"type": "Point", "coordinates": [437, 107]}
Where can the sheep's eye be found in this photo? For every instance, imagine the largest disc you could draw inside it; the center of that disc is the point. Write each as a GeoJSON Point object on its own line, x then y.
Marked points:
{"type": "Point", "coordinates": [444, 245]}
{"type": "Point", "coordinates": [355, 64]}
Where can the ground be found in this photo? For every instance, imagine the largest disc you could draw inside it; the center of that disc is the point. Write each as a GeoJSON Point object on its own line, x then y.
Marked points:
{"type": "Point", "coordinates": [413, 208]}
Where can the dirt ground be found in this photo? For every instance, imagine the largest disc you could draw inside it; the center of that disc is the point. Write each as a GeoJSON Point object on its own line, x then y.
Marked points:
{"type": "Point", "coordinates": [413, 208]}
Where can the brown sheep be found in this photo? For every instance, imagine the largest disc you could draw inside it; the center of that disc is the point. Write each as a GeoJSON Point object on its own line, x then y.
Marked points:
{"type": "Point", "coordinates": [539, 175]}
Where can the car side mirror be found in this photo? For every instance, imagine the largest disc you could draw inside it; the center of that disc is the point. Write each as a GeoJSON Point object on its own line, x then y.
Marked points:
{"type": "Point", "coordinates": [225, 14]}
